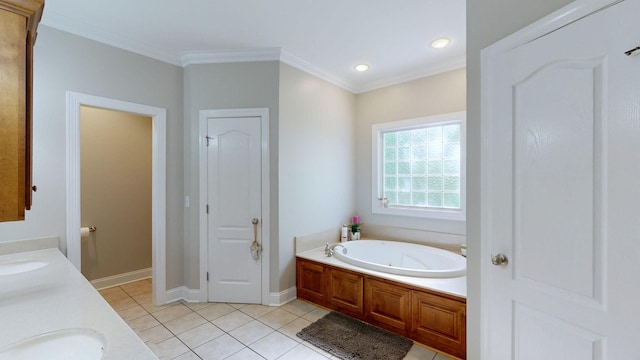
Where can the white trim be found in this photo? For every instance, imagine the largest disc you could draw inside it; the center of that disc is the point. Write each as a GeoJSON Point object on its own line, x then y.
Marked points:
{"type": "Point", "coordinates": [282, 297]}
{"type": "Point", "coordinates": [378, 168]}
{"type": "Point", "coordinates": [230, 56]}
{"type": "Point", "coordinates": [303, 65]}
{"type": "Point", "coordinates": [120, 279]}
{"type": "Point", "coordinates": [556, 20]}
{"type": "Point", "coordinates": [159, 188]}
{"type": "Point", "coordinates": [451, 65]}
{"type": "Point", "coordinates": [89, 31]}
{"type": "Point", "coordinates": [263, 113]}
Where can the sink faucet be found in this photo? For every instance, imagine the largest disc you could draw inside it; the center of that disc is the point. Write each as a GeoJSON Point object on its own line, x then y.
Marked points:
{"type": "Point", "coordinates": [328, 249]}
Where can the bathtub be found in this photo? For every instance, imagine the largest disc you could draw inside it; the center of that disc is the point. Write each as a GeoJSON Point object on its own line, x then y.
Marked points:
{"type": "Point", "coordinates": [402, 258]}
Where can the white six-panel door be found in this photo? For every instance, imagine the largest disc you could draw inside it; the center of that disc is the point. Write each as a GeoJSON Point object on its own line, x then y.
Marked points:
{"type": "Point", "coordinates": [561, 153]}
{"type": "Point", "coordinates": [234, 200]}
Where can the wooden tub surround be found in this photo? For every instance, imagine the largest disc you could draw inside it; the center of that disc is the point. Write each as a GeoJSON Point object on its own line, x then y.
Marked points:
{"type": "Point", "coordinates": [433, 318]}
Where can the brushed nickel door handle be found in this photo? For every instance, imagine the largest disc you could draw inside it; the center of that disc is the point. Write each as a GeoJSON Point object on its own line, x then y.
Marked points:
{"type": "Point", "coordinates": [500, 259]}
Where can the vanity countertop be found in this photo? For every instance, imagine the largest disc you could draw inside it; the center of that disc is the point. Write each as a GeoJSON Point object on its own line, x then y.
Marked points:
{"type": "Point", "coordinates": [56, 296]}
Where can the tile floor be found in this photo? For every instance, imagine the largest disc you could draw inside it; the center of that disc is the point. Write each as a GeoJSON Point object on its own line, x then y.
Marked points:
{"type": "Point", "coordinates": [186, 331]}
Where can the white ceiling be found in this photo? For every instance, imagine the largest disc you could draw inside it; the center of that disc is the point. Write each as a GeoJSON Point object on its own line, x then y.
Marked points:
{"type": "Point", "coordinates": [323, 37]}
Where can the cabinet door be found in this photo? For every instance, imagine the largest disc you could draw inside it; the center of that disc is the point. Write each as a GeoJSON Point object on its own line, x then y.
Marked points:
{"type": "Point", "coordinates": [439, 322]}
{"type": "Point", "coordinates": [310, 281]}
{"type": "Point", "coordinates": [345, 292]}
{"type": "Point", "coordinates": [13, 34]}
{"type": "Point", "coordinates": [387, 305]}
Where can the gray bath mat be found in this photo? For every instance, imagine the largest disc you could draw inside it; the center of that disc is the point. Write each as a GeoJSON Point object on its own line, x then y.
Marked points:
{"type": "Point", "coordinates": [351, 339]}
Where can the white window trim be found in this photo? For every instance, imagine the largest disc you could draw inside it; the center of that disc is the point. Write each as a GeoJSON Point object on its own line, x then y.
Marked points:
{"type": "Point", "coordinates": [377, 205]}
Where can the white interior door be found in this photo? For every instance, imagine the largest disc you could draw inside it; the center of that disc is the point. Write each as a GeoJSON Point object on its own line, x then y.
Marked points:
{"type": "Point", "coordinates": [234, 200]}
{"type": "Point", "coordinates": [561, 197]}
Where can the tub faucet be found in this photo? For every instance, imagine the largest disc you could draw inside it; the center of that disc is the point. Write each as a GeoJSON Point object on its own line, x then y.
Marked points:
{"type": "Point", "coordinates": [328, 249]}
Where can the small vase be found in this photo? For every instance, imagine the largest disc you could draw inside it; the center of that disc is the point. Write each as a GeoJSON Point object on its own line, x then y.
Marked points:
{"type": "Point", "coordinates": [355, 235]}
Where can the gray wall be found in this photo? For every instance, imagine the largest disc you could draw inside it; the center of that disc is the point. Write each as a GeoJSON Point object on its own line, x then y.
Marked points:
{"type": "Point", "coordinates": [316, 157]}
{"type": "Point", "coordinates": [226, 86]}
{"type": "Point", "coordinates": [65, 62]}
{"type": "Point", "coordinates": [115, 176]}
{"type": "Point", "coordinates": [433, 95]}
{"type": "Point", "coordinates": [487, 22]}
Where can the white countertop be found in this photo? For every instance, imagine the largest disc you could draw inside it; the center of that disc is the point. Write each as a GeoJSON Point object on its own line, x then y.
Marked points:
{"type": "Point", "coordinates": [55, 297]}
{"type": "Point", "coordinates": [456, 286]}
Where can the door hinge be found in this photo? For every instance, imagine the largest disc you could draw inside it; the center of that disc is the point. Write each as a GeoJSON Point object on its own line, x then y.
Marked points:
{"type": "Point", "coordinates": [207, 276]}
{"type": "Point", "coordinates": [207, 208]}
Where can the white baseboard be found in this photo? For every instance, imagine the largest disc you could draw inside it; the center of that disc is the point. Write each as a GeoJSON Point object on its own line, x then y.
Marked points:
{"type": "Point", "coordinates": [195, 296]}
{"type": "Point", "coordinates": [121, 279]}
{"type": "Point", "coordinates": [283, 297]}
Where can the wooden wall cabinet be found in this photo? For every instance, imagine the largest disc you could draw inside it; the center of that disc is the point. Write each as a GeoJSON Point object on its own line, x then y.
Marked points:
{"type": "Point", "coordinates": [18, 23]}
{"type": "Point", "coordinates": [428, 317]}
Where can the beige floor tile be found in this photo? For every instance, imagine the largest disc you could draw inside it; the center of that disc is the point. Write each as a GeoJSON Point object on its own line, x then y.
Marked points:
{"type": "Point", "coordinates": [294, 327]}
{"type": "Point", "coordinates": [113, 294]}
{"type": "Point", "coordinates": [237, 306]}
{"type": "Point", "coordinates": [143, 323]}
{"type": "Point", "coordinates": [273, 345]}
{"type": "Point", "coordinates": [302, 352]}
{"type": "Point", "coordinates": [200, 335]}
{"type": "Point", "coordinates": [298, 307]}
{"type": "Point", "coordinates": [188, 356]}
{"type": "Point", "coordinates": [245, 354]}
{"type": "Point", "coordinates": [184, 323]}
{"type": "Point", "coordinates": [278, 318]}
{"type": "Point", "coordinates": [169, 349]}
{"type": "Point", "coordinates": [316, 314]}
{"type": "Point", "coordinates": [132, 313]}
{"type": "Point", "coordinates": [171, 312]}
{"type": "Point", "coordinates": [219, 348]}
{"type": "Point", "coordinates": [232, 320]}
{"type": "Point", "coordinates": [251, 332]}
{"type": "Point", "coordinates": [155, 334]}
{"type": "Point", "coordinates": [256, 311]}
{"type": "Point", "coordinates": [419, 353]}
{"type": "Point", "coordinates": [442, 357]}
{"type": "Point", "coordinates": [196, 306]}
{"type": "Point", "coordinates": [215, 311]}
{"type": "Point", "coordinates": [318, 350]}
{"type": "Point", "coordinates": [123, 304]}
{"type": "Point", "coordinates": [137, 287]}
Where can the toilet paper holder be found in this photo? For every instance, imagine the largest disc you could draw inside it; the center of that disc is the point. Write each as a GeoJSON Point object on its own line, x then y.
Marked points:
{"type": "Point", "coordinates": [93, 229]}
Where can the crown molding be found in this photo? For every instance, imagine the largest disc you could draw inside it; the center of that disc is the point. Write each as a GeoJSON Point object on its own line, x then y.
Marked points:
{"type": "Point", "coordinates": [64, 23]}
{"type": "Point", "coordinates": [300, 64]}
{"type": "Point", "coordinates": [86, 30]}
{"type": "Point", "coordinates": [230, 56]}
{"type": "Point", "coordinates": [455, 64]}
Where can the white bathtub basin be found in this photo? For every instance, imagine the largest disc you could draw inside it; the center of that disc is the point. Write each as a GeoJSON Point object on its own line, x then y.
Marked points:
{"type": "Point", "coordinates": [17, 267]}
{"type": "Point", "coordinates": [401, 258]}
{"type": "Point", "coordinates": [65, 344]}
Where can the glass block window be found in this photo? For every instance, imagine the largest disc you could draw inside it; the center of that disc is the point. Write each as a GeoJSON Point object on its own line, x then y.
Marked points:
{"type": "Point", "coordinates": [420, 167]}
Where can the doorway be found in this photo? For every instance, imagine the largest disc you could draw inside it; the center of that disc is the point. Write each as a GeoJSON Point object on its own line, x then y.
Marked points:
{"type": "Point", "coordinates": [234, 221]}
{"type": "Point", "coordinates": [115, 196]}
{"type": "Point", "coordinates": [158, 182]}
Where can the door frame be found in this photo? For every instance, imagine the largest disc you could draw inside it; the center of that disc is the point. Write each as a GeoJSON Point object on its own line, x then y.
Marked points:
{"type": "Point", "coordinates": [554, 21]}
{"type": "Point", "coordinates": [158, 182]}
{"type": "Point", "coordinates": [265, 221]}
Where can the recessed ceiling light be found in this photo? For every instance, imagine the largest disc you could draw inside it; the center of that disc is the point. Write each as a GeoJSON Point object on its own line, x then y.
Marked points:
{"type": "Point", "coordinates": [440, 43]}
{"type": "Point", "coordinates": [361, 67]}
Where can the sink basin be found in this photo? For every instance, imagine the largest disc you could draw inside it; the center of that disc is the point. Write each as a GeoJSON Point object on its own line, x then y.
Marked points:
{"type": "Point", "coordinates": [17, 267]}
{"type": "Point", "coordinates": [64, 344]}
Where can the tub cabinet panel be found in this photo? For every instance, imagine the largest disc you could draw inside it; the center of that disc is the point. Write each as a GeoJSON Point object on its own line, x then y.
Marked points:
{"type": "Point", "coordinates": [311, 282]}
{"type": "Point", "coordinates": [345, 291]}
{"type": "Point", "coordinates": [387, 305]}
{"type": "Point", "coordinates": [439, 321]}
{"type": "Point", "coordinates": [434, 319]}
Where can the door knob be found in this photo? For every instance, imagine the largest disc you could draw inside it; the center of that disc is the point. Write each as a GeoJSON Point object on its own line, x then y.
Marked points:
{"type": "Point", "coordinates": [500, 259]}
